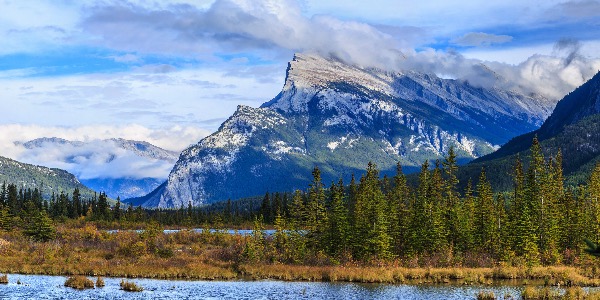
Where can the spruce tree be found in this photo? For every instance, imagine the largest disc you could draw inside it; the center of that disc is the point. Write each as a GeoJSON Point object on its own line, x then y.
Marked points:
{"type": "Point", "coordinates": [484, 214]}
{"type": "Point", "coordinates": [338, 227]}
{"type": "Point", "coordinates": [315, 211]}
{"type": "Point", "coordinates": [40, 227]}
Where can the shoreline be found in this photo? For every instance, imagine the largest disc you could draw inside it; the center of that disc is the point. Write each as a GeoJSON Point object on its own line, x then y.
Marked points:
{"type": "Point", "coordinates": [558, 276]}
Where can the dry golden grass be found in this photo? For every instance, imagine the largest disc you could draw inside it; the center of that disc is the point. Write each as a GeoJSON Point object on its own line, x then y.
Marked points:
{"type": "Point", "coordinates": [82, 249]}
{"type": "Point", "coordinates": [130, 286]}
{"type": "Point", "coordinates": [99, 282]}
{"type": "Point", "coordinates": [486, 295]}
{"type": "Point", "coordinates": [546, 293]}
{"type": "Point", "coordinates": [79, 282]}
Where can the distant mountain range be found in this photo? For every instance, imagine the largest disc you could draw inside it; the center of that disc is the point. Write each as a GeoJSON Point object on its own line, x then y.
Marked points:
{"type": "Point", "coordinates": [573, 128]}
{"type": "Point", "coordinates": [119, 167]}
{"type": "Point", "coordinates": [45, 179]}
{"type": "Point", "coordinates": [339, 117]}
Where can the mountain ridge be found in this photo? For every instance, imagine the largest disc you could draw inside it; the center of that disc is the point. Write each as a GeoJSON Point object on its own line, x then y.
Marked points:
{"type": "Point", "coordinates": [339, 116]}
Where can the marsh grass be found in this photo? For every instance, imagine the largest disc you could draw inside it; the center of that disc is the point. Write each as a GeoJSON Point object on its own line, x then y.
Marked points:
{"type": "Point", "coordinates": [546, 293]}
{"type": "Point", "coordinates": [99, 282]}
{"type": "Point", "coordinates": [130, 286]}
{"type": "Point", "coordinates": [486, 295]}
{"type": "Point", "coordinates": [79, 282]}
{"type": "Point", "coordinates": [85, 250]}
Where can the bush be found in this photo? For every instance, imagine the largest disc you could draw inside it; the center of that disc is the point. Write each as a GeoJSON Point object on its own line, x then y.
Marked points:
{"type": "Point", "coordinates": [133, 249]}
{"type": "Point", "coordinates": [164, 252]}
{"type": "Point", "coordinates": [486, 295]}
{"type": "Point", "coordinates": [79, 282]}
{"type": "Point", "coordinates": [99, 282]}
{"type": "Point", "coordinates": [531, 293]}
{"type": "Point", "coordinates": [130, 286]}
{"type": "Point", "coordinates": [41, 228]}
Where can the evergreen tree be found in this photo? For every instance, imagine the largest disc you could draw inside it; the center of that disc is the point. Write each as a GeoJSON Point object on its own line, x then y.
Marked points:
{"type": "Point", "coordinates": [117, 210]}
{"type": "Point", "coordinates": [103, 207]}
{"type": "Point", "coordinates": [484, 214]}
{"type": "Point", "coordinates": [297, 210]}
{"type": "Point", "coordinates": [371, 217]}
{"type": "Point", "coordinates": [466, 228]}
{"type": "Point", "coordinates": [338, 227]}
{"type": "Point", "coordinates": [316, 212]}
{"type": "Point", "coordinates": [265, 208]}
{"type": "Point", "coordinates": [593, 188]}
{"type": "Point", "coordinates": [452, 202]}
{"type": "Point", "coordinates": [40, 227]}
{"type": "Point", "coordinates": [399, 211]}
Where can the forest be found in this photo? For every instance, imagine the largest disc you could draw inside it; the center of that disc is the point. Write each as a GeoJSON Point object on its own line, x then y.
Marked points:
{"type": "Point", "coordinates": [539, 222]}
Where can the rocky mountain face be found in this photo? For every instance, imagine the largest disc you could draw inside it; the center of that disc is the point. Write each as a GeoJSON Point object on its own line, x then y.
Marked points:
{"type": "Point", "coordinates": [573, 128]}
{"type": "Point", "coordinates": [45, 179]}
{"type": "Point", "coordinates": [106, 165]}
{"type": "Point", "coordinates": [339, 117]}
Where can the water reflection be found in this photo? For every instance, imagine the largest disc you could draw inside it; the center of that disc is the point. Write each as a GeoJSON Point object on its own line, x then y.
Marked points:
{"type": "Point", "coordinates": [51, 287]}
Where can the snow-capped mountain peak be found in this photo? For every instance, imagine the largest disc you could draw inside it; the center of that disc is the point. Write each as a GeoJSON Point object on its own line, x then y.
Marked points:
{"type": "Point", "coordinates": [339, 117]}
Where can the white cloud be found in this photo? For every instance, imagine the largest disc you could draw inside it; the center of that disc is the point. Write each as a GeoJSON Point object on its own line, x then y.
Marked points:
{"type": "Point", "coordinates": [97, 158]}
{"type": "Point", "coordinates": [174, 138]}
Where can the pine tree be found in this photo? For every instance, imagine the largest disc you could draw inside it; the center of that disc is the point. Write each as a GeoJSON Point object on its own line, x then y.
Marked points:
{"type": "Point", "coordinates": [338, 227]}
{"type": "Point", "coordinates": [438, 234]}
{"type": "Point", "coordinates": [371, 217]}
{"type": "Point", "coordinates": [40, 227]}
{"type": "Point", "coordinates": [484, 214]}
{"type": "Point", "coordinates": [316, 212]}
{"type": "Point", "coordinates": [593, 188]}
{"type": "Point", "coordinates": [265, 208]}
{"type": "Point", "coordinates": [418, 231]}
{"type": "Point", "coordinates": [451, 197]}
{"type": "Point", "coordinates": [297, 211]}
{"type": "Point", "coordinates": [466, 228]}
{"type": "Point", "coordinates": [77, 205]}
{"type": "Point", "coordinates": [103, 207]}
{"type": "Point", "coordinates": [117, 210]}
{"type": "Point", "coordinates": [5, 219]}
{"type": "Point", "coordinates": [399, 211]}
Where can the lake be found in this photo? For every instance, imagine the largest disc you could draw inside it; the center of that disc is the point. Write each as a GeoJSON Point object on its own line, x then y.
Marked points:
{"type": "Point", "coordinates": [200, 230]}
{"type": "Point", "coordinates": [51, 287]}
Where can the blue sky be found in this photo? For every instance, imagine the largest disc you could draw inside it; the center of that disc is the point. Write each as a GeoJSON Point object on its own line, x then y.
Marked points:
{"type": "Point", "coordinates": [154, 69]}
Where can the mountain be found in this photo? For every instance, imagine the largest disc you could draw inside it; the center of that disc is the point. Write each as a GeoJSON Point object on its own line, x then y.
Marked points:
{"type": "Point", "coordinates": [573, 128]}
{"type": "Point", "coordinates": [119, 167]}
{"type": "Point", "coordinates": [46, 179]}
{"type": "Point", "coordinates": [338, 117]}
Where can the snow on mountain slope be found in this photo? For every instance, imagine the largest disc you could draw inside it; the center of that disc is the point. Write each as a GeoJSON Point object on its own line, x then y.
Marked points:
{"type": "Point", "coordinates": [339, 117]}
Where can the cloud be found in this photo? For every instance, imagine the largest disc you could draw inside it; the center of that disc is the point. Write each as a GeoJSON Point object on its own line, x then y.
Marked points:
{"type": "Point", "coordinates": [477, 39]}
{"type": "Point", "coordinates": [94, 157]}
{"type": "Point", "coordinates": [578, 10]}
{"type": "Point", "coordinates": [237, 26]}
{"type": "Point", "coordinates": [175, 138]}
{"type": "Point", "coordinates": [549, 75]}
{"type": "Point", "coordinates": [273, 26]}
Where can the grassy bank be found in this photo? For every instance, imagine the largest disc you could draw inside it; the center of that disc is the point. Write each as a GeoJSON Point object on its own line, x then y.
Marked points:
{"type": "Point", "coordinates": [82, 249]}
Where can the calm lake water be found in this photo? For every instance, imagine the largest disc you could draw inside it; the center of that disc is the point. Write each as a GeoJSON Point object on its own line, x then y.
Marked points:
{"type": "Point", "coordinates": [51, 287]}
{"type": "Point", "coordinates": [200, 230]}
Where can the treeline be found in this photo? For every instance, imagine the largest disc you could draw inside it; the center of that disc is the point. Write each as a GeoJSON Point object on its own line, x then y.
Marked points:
{"type": "Point", "coordinates": [539, 221]}
{"type": "Point", "coordinates": [18, 206]}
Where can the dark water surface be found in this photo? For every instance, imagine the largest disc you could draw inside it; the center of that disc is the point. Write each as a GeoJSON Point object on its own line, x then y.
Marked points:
{"type": "Point", "coordinates": [51, 287]}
